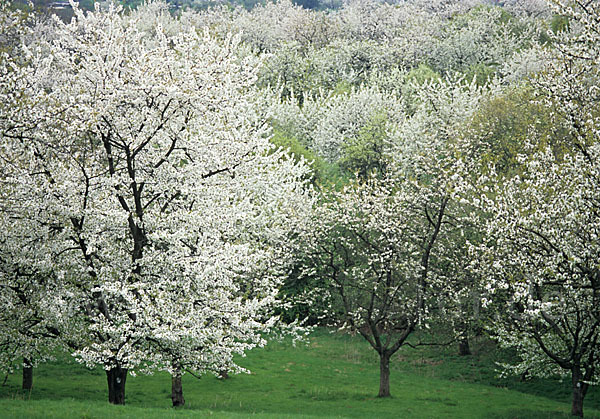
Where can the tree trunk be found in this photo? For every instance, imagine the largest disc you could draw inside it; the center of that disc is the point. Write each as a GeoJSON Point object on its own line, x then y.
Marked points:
{"type": "Point", "coordinates": [177, 389]}
{"type": "Point", "coordinates": [116, 385]}
{"type": "Point", "coordinates": [27, 375]}
{"type": "Point", "coordinates": [578, 393]}
{"type": "Point", "coordinates": [463, 346]}
{"type": "Point", "coordinates": [384, 375]}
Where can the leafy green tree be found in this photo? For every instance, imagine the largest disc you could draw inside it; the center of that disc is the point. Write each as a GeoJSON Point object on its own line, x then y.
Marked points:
{"type": "Point", "coordinates": [502, 125]}
{"type": "Point", "coordinates": [366, 153]}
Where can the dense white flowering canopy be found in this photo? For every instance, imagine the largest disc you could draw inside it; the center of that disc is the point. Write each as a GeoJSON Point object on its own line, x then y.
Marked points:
{"type": "Point", "coordinates": [140, 175]}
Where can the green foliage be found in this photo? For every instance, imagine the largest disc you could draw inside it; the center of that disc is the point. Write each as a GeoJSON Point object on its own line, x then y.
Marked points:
{"type": "Point", "coordinates": [343, 87]}
{"type": "Point", "coordinates": [481, 72]}
{"type": "Point", "coordinates": [422, 74]}
{"type": "Point", "coordinates": [324, 174]}
{"type": "Point", "coordinates": [365, 153]}
{"type": "Point", "coordinates": [505, 17]}
{"type": "Point", "coordinates": [506, 123]}
{"type": "Point", "coordinates": [559, 23]}
{"type": "Point", "coordinates": [298, 151]}
{"type": "Point", "coordinates": [556, 24]}
{"type": "Point", "coordinates": [295, 148]}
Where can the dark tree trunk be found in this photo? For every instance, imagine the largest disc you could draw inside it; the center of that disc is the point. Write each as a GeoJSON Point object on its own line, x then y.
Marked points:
{"type": "Point", "coordinates": [177, 389]}
{"type": "Point", "coordinates": [463, 346]}
{"type": "Point", "coordinates": [223, 374]}
{"type": "Point", "coordinates": [116, 385]}
{"type": "Point", "coordinates": [384, 375]}
{"type": "Point", "coordinates": [579, 390]}
{"type": "Point", "coordinates": [27, 375]}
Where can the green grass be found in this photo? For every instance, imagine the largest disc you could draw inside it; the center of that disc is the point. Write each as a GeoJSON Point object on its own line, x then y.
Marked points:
{"type": "Point", "coordinates": [333, 376]}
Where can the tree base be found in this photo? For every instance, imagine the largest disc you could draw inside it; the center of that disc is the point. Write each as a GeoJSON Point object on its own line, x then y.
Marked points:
{"type": "Point", "coordinates": [27, 375]}
{"type": "Point", "coordinates": [177, 391]}
{"type": "Point", "coordinates": [116, 378]}
{"type": "Point", "coordinates": [384, 376]}
{"type": "Point", "coordinates": [463, 347]}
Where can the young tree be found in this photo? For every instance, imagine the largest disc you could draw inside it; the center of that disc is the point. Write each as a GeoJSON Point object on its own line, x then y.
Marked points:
{"type": "Point", "coordinates": [384, 251]}
{"type": "Point", "coordinates": [142, 154]}
{"type": "Point", "coordinates": [373, 251]}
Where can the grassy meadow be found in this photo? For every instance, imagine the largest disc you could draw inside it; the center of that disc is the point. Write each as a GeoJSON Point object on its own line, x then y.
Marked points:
{"type": "Point", "coordinates": [333, 375]}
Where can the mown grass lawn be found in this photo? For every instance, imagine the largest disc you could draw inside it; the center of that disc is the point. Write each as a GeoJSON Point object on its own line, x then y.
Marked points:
{"type": "Point", "coordinates": [332, 376]}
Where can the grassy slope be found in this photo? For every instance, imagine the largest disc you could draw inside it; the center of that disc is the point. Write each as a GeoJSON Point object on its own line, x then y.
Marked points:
{"type": "Point", "coordinates": [334, 376]}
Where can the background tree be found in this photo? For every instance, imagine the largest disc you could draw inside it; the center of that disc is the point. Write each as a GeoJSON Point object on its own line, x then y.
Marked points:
{"type": "Point", "coordinates": [385, 250]}
{"type": "Point", "coordinates": [373, 251]}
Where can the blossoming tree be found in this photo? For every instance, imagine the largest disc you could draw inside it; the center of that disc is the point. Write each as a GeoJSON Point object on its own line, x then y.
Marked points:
{"type": "Point", "coordinates": [385, 251]}
{"type": "Point", "coordinates": [542, 225]}
{"type": "Point", "coordinates": [141, 151]}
